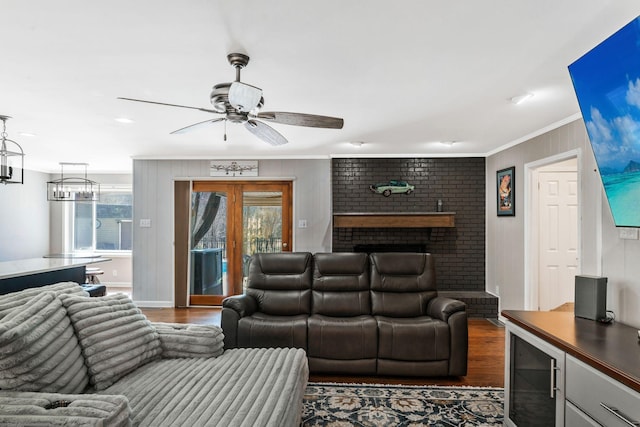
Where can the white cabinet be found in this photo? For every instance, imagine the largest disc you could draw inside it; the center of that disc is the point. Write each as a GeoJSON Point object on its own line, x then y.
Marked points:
{"type": "Point", "coordinates": [599, 397]}
{"type": "Point", "coordinates": [534, 381]}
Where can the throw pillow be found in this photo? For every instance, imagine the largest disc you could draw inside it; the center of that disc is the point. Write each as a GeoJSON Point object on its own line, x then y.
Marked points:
{"type": "Point", "coordinates": [188, 340]}
{"type": "Point", "coordinates": [39, 350]}
{"type": "Point", "coordinates": [116, 338]}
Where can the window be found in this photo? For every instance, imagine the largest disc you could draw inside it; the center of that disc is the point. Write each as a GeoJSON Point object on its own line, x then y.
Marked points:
{"type": "Point", "coordinates": [105, 225]}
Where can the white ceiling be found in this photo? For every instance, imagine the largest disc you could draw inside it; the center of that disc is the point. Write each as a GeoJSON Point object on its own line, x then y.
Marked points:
{"type": "Point", "coordinates": [403, 74]}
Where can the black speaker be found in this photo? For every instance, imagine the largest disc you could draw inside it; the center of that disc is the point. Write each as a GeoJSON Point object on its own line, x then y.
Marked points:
{"type": "Point", "coordinates": [591, 297]}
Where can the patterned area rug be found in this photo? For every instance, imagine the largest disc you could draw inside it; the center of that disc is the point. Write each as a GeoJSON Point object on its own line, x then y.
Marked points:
{"type": "Point", "coordinates": [375, 405]}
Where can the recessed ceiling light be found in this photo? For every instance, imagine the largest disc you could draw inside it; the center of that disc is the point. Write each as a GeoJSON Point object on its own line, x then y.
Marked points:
{"type": "Point", "coordinates": [519, 99]}
{"type": "Point", "coordinates": [356, 143]}
{"type": "Point", "coordinates": [448, 143]}
{"type": "Point", "coordinates": [27, 134]}
{"type": "Point", "coordinates": [123, 120]}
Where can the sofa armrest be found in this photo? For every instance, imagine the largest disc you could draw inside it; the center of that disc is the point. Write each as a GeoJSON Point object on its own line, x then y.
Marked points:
{"type": "Point", "coordinates": [244, 305]}
{"type": "Point", "coordinates": [443, 307]}
{"type": "Point", "coordinates": [233, 309]}
{"type": "Point", "coordinates": [188, 340]}
{"type": "Point", "coordinates": [21, 408]}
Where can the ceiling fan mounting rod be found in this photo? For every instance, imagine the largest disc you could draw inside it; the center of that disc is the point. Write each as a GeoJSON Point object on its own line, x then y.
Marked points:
{"type": "Point", "coordinates": [238, 61]}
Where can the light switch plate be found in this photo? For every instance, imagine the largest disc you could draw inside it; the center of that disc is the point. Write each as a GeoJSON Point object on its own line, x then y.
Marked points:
{"type": "Point", "coordinates": [145, 223]}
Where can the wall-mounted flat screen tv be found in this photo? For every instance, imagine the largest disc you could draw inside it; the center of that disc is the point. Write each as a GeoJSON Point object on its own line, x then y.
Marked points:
{"type": "Point", "coordinates": [607, 84]}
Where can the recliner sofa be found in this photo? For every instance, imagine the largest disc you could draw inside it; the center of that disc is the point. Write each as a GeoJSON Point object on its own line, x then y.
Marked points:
{"type": "Point", "coordinates": [352, 313]}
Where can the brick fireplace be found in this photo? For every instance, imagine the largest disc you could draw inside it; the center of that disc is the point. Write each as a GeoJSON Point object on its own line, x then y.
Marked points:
{"type": "Point", "coordinates": [458, 182]}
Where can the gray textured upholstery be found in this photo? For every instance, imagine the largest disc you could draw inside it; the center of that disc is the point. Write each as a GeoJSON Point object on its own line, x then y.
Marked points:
{"type": "Point", "coordinates": [47, 338]}
{"type": "Point", "coordinates": [116, 338]}
{"type": "Point", "coordinates": [369, 314]}
{"type": "Point", "coordinates": [32, 409]}
{"type": "Point", "coordinates": [243, 387]}
{"type": "Point", "coordinates": [39, 350]}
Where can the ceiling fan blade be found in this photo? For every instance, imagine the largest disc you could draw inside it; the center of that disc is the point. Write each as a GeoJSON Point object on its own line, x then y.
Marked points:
{"type": "Point", "coordinates": [265, 132]}
{"type": "Point", "coordinates": [301, 119]}
{"type": "Point", "coordinates": [170, 105]}
{"type": "Point", "coordinates": [197, 125]}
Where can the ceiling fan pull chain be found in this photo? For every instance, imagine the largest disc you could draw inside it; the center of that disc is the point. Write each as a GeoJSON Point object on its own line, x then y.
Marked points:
{"type": "Point", "coordinates": [225, 130]}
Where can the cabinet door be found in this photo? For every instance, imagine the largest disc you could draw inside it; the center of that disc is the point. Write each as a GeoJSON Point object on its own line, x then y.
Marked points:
{"type": "Point", "coordinates": [604, 399]}
{"type": "Point", "coordinates": [534, 381]}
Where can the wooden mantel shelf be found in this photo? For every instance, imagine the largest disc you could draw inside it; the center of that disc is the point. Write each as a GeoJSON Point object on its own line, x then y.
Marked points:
{"type": "Point", "coordinates": [394, 220]}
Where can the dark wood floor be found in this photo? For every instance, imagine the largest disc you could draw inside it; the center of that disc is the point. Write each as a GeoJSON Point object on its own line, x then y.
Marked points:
{"type": "Point", "coordinates": [486, 350]}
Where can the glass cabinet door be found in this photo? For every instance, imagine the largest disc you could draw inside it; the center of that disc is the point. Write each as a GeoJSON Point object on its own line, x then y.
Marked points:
{"type": "Point", "coordinates": [534, 381]}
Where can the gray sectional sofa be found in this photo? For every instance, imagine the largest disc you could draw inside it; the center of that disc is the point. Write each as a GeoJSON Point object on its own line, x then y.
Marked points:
{"type": "Point", "coordinates": [352, 313]}
{"type": "Point", "coordinates": [69, 359]}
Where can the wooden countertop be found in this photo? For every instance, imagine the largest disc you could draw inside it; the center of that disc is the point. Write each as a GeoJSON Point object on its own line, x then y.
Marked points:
{"type": "Point", "coordinates": [24, 267]}
{"type": "Point", "coordinates": [613, 349]}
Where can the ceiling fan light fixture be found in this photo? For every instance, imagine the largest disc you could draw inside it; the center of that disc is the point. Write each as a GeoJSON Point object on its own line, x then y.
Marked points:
{"type": "Point", "coordinates": [244, 97]}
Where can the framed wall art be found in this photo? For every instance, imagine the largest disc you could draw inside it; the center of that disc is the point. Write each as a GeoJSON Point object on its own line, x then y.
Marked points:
{"type": "Point", "coordinates": [506, 191]}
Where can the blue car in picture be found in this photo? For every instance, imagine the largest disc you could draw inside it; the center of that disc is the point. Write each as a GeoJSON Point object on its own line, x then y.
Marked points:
{"type": "Point", "coordinates": [391, 187]}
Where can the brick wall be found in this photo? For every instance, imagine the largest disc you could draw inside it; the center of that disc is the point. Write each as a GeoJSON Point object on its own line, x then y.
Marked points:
{"type": "Point", "coordinates": [458, 182]}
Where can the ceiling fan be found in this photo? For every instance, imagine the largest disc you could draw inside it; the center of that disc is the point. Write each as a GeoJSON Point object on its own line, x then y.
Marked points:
{"type": "Point", "coordinates": [241, 103]}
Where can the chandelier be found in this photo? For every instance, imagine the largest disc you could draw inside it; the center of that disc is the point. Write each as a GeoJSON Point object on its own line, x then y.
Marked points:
{"type": "Point", "coordinates": [11, 157]}
{"type": "Point", "coordinates": [73, 189]}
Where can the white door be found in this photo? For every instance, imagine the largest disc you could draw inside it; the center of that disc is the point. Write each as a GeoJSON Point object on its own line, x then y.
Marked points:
{"type": "Point", "coordinates": [558, 237]}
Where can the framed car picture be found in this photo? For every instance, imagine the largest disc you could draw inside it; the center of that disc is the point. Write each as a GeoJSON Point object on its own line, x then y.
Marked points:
{"type": "Point", "coordinates": [506, 191]}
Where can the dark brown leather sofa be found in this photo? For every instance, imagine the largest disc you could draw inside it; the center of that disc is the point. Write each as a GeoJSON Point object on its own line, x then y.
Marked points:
{"type": "Point", "coordinates": [352, 313]}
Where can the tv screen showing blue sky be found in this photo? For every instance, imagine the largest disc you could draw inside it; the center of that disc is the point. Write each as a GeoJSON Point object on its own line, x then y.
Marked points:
{"type": "Point", "coordinates": [607, 84]}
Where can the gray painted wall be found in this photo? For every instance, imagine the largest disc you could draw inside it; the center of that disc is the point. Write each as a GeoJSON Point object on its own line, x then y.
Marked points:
{"type": "Point", "coordinates": [24, 218]}
{"type": "Point", "coordinates": [153, 199]}
{"type": "Point", "coordinates": [602, 251]}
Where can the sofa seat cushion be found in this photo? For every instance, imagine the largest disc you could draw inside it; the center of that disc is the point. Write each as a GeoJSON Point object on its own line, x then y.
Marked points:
{"type": "Point", "coordinates": [39, 350]}
{"type": "Point", "coordinates": [264, 330]}
{"type": "Point", "coordinates": [243, 387]}
{"type": "Point", "coordinates": [54, 409]}
{"type": "Point", "coordinates": [345, 338]}
{"type": "Point", "coordinates": [116, 338]}
{"type": "Point", "coordinates": [413, 339]}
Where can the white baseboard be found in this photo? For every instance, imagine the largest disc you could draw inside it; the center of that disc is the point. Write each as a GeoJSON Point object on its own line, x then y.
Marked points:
{"type": "Point", "coordinates": [154, 304]}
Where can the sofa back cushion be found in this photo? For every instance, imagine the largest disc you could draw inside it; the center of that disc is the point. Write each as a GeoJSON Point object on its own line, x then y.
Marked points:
{"type": "Point", "coordinates": [116, 338]}
{"type": "Point", "coordinates": [402, 283]}
{"type": "Point", "coordinates": [341, 284]}
{"type": "Point", "coordinates": [39, 350]}
{"type": "Point", "coordinates": [9, 302]}
{"type": "Point", "coordinates": [281, 282]}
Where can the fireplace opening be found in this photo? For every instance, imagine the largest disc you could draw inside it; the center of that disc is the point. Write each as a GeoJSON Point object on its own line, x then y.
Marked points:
{"type": "Point", "coordinates": [390, 247]}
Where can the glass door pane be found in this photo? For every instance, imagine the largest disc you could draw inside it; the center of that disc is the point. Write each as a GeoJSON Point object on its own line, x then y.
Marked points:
{"type": "Point", "coordinates": [530, 390]}
{"type": "Point", "coordinates": [208, 254]}
{"type": "Point", "coordinates": [261, 224]}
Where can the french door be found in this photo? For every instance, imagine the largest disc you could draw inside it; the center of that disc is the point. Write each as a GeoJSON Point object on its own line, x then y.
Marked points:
{"type": "Point", "coordinates": [229, 222]}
